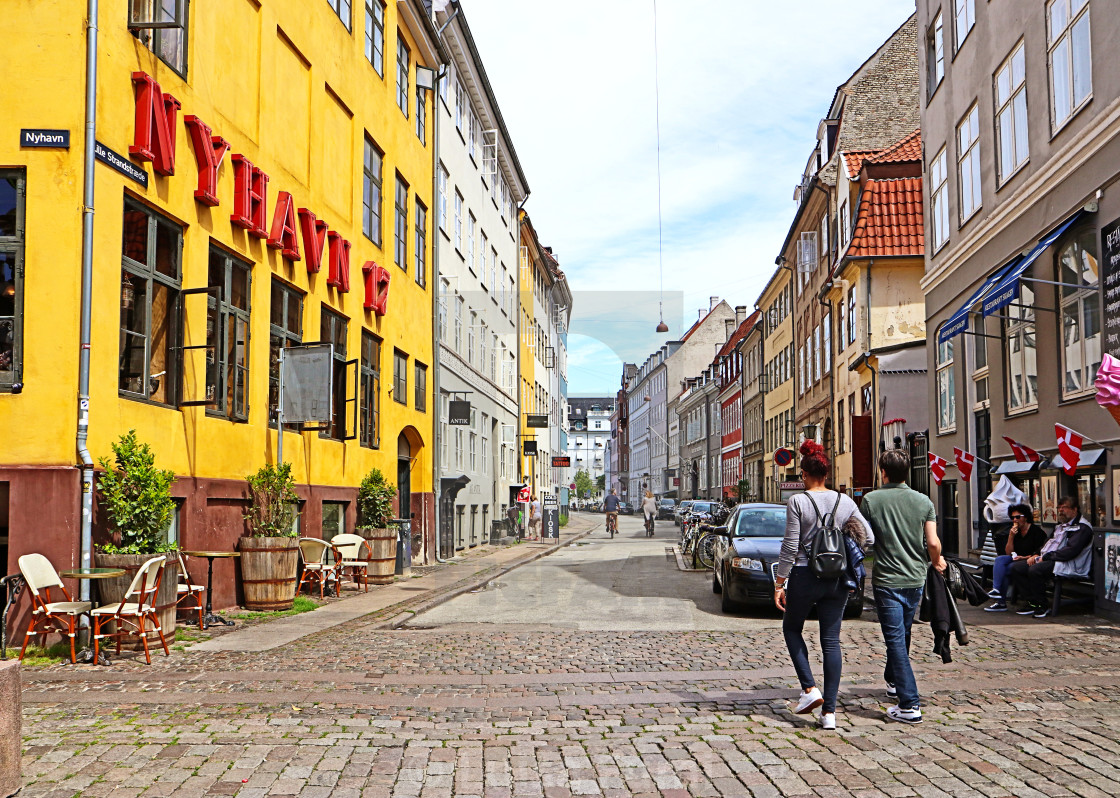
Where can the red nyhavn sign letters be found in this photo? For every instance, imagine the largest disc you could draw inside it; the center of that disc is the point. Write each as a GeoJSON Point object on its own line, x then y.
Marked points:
{"type": "Point", "coordinates": [154, 141]}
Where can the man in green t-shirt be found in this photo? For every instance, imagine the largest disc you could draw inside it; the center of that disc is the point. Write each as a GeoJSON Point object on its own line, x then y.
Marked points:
{"type": "Point", "coordinates": [905, 527]}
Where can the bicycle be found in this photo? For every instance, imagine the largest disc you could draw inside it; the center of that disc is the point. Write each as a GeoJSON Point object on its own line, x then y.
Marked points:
{"type": "Point", "coordinates": [612, 523]}
{"type": "Point", "coordinates": [649, 526]}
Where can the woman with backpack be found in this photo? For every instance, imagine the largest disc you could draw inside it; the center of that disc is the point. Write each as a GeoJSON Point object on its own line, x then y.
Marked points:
{"type": "Point", "coordinates": [813, 572]}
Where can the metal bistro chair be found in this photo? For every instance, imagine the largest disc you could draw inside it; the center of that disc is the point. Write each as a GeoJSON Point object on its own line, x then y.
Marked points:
{"type": "Point", "coordinates": [313, 554]}
{"type": "Point", "coordinates": [40, 575]}
{"type": "Point", "coordinates": [137, 607]}
{"type": "Point", "coordinates": [188, 592]}
{"type": "Point", "coordinates": [349, 548]}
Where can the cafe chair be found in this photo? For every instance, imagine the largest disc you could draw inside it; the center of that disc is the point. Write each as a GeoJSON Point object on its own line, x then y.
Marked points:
{"type": "Point", "coordinates": [188, 592]}
{"type": "Point", "coordinates": [40, 575]}
{"type": "Point", "coordinates": [351, 557]}
{"type": "Point", "coordinates": [313, 555]}
{"type": "Point", "coordinates": [137, 608]}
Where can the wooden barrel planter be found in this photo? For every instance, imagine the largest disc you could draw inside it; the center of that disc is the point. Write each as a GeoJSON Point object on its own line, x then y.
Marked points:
{"type": "Point", "coordinates": [268, 572]}
{"type": "Point", "coordinates": [383, 556]}
{"type": "Point", "coordinates": [111, 591]}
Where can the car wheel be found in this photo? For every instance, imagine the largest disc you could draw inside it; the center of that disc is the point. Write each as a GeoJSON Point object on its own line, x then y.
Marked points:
{"type": "Point", "coordinates": [716, 587]}
{"type": "Point", "coordinates": [726, 605]}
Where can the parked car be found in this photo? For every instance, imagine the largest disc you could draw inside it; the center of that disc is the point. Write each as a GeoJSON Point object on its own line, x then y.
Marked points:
{"type": "Point", "coordinates": [666, 508]}
{"type": "Point", "coordinates": [681, 510]}
{"type": "Point", "coordinates": [624, 508]}
{"type": "Point", "coordinates": [747, 554]}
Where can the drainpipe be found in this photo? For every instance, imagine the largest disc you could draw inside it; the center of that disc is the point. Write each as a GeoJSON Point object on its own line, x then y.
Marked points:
{"type": "Point", "coordinates": [86, 546]}
{"type": "Point", "coordinates": [874, 375]}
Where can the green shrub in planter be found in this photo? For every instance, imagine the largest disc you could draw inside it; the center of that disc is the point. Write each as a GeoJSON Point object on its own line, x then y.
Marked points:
{"type": "Point", "coordinates": [269, 555]}
{"type": "Point", "coordinates": [137, 498]}
{"type": "Point", "coordinates": [272, 497]}
{"type": "Point", "coordinates": [375, 500]}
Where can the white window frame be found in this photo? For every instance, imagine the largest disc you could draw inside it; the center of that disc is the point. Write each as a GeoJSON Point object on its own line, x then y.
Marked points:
{"type": "Point", "coordinates": [1010, 93]}
{"type": "Point", "coordinates": [1074, 299]}
{"type": "Point", "coordinates": [1019, 327]}
{"type": "Point", "coordinates": [946, 388]}
{"type": "Point", "coordinates": [1060, 44]}
{"type": "Point", "coordinates": [968, 164]}
{"type": "Point", "coordinates": [939, 199]}
{"type": "Point", "coordinates": [964, 15]}
{"type": "Point", "coordinates": [936, 49]}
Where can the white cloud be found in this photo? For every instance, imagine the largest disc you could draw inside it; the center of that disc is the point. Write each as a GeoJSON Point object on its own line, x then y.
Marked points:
{"type": "Point", "coordinates": [742, 88]}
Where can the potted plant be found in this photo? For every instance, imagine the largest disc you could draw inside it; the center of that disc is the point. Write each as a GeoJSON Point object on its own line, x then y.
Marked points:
{"type": "Point", "coordinates": [375, 511]}
{"type": "Point", "coordinates": [136, 499]}
{"type": "Point", "coordinates": [270, 552]}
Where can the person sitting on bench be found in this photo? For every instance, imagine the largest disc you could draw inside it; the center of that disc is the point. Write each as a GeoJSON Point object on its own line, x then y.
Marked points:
{"type": "Point", "coordinates": [1067, 554]}
{"type": "Point", "coordinates": [1021, 540]}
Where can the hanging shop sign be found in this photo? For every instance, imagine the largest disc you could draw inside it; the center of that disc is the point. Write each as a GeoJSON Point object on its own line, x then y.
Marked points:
{"type": "Point", "coordinates": [1110, 279]}
{"type": "Point", "coordinates": [529, 448]}
{"type": "Point", "coordinates": [561, 462]}
{"type": "Point", "coordinates": [114, 160]}
{"type": "Point", "coordinates": [45, 138]}
{"type": "Point", "coordinates": [540, 422]}
{"type": "Point", "coordinates": [153, 142]}
{"type": "Point", "coordinates": [459, 413]}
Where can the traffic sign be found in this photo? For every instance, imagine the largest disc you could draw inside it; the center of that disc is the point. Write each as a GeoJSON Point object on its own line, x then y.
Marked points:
{"type": "Point", "coordinates": [783, 457]}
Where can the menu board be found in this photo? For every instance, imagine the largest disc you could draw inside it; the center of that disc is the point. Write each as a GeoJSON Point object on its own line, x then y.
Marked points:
{"type": "Point", "coordinates": [1110, 278]}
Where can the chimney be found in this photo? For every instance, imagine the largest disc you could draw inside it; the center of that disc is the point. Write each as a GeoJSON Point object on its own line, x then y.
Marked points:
{"type": "Point", "coordinates": [712, 302]}
{"type": "Point", "coordinates": [729, 326]}
{"type": "Point", "coordinates": [740, 314]}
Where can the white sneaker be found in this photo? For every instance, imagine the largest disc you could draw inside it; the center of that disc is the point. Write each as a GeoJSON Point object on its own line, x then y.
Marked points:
{"type": "Point", "coordinates": [904, 715]}
{"type": "Point", "coordinates": [891, 691]}
{"type": "Point", "coordinates": [809, 701]}
{"type": "Point", "coordinates": [828, 721]}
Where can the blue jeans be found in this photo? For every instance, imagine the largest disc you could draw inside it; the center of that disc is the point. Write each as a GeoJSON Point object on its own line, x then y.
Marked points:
{"type": "Point", "coordinates": [803, 592]}
{"type": "Point", "coordinates": [896, 608]}
{"type": "Point", "coordinates": [1000, 568]}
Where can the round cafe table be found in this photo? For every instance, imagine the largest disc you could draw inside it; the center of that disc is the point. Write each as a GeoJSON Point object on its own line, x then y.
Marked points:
{"type": "Point", "coordinates": [210, 618]}
{"type": "Point", "coordinates": [92, 574]}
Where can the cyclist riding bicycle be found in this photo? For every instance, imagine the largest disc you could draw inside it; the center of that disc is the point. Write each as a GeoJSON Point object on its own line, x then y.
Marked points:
{"type": "Point", "coordinates": [649, 509]}
{"type": "Point", "coordinates": [610, 506]}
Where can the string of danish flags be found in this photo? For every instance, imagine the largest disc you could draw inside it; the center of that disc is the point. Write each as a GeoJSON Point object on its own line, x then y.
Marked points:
{"type": "Point", "coordinates": [1069, 447]}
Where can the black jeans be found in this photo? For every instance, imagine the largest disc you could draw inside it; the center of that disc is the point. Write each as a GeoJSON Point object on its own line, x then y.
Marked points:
{"type": "Point", "coordinates": [803, 592]}
{"type": "Point", "coordinates": [1030, 581]}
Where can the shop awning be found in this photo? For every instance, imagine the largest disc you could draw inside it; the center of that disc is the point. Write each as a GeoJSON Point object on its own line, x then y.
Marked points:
{"type": "Point", "coordinates": [1089, 457]}
{"type": "Point", "coordinates": [1002, 286]}
{"type": "Point", "coordinates": [1015, 467]}
{"type": "Point", "coordinates": [1007, 290]}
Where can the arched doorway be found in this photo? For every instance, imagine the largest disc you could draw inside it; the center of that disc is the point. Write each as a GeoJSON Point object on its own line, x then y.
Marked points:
{"type": "Point", "coordinates": [404, 476]}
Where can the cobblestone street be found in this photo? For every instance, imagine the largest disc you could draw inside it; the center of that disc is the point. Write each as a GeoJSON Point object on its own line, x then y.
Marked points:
{"type": "Point", "coordinates": [559, 703]}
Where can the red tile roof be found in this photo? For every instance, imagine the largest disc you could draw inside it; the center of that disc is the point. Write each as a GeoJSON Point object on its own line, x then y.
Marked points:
{"type": "Point", "coordinates": [889, 220]}
{"type": "Point", "coordinates": [904, 151]}
{"type": "Point", "coordinates": [854, 160]}
{"type": "Point", "coordinates": [738, 335]}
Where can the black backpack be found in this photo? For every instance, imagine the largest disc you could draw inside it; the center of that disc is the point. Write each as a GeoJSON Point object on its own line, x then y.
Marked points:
{"type": "Point", "coordinates": [828, 554]}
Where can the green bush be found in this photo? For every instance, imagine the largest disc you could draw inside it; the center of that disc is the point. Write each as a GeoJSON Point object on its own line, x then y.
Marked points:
{"type": "Point", "coordinates": [375, 500]}
{"type": "Point", "coordinates": [137, 498]}
{"type": "Point", "coordinates": [272, 507]}
{"type": "Point", "coordinates": [563, 520]}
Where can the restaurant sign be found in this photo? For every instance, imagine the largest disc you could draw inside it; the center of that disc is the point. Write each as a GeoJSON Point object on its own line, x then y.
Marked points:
{"type": "Point", "coordinates": [1110, 279]}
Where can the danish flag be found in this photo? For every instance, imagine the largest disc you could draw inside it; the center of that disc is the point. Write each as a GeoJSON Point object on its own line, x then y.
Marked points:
{"type": "Point", "coordinates": [1069, 447]}
{"type": "Point", "coordinates": [965, 462]}
{"type": "Point", "coordinates": [937, 468]}
{"type": "Point", "coordinates": [1023, 454]}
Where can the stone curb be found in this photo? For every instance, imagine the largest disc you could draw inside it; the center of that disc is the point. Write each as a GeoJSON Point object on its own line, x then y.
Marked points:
{"type": "Point", "coordinates": [402, 618]}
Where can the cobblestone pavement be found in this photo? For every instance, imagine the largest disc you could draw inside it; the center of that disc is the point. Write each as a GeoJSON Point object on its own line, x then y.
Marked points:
{"type": "Point", "coordinates": [534, 709]}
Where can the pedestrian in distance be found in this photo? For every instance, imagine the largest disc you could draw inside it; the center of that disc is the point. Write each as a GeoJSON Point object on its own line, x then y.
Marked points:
{"type": "Point", "coordinates": [1021, 540]}
{"type": "Point", "coordinates": [535, 519]}
{"type": "Point", "coordinates": [905, 526]}
{"type": "Point", "coordinates": [797, 589]}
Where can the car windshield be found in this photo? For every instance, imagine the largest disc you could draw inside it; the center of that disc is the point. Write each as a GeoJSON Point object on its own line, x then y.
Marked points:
{"type": "Point", "coordinates": [701, 507]}
{"type": "Point", "coordinates": [666, 502]}
{"type": "Point", "coordinates": [761, 522]}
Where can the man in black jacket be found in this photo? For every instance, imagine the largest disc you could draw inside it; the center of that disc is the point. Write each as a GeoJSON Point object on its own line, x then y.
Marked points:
{"type": "Point", "coordinates": [1071, 539]}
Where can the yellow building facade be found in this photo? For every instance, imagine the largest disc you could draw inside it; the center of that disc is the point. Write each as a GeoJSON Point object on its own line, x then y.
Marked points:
{"type": "Point", "coordinates": [776, 381]}
{"type": "Point", "coordinates": [263, 179]}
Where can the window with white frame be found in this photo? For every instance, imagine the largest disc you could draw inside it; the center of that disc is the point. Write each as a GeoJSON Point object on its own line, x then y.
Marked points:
{"type": "Point", "coordinates": [935, 49]}
{"type": "Point", "coordinates": [1081, 312]}
{"type": "Point", "coordinates": [470, 242]}
{"type": "Point", "coordinates": [441, 208]}
{"type": "Point", "coordinates": [1021, 352]}
{"type": "Point", "coordinates": [1070, 59]}
{"type": "Point", "coordinates": [459, 324]}
{"type": "Point", "coordinates": [968, 162]}
{"type": "Point", "coordinates": [845, 225]}
{"type": "Point", "coordinates": [851, 315]}
{"type": "Point", "coordinates": [458, 229]}
{"type": "Point", "coordinates": [964, 13]}
{"type": "Point", "coordinates": [484, 243]}
{"type": "Point", "coordinates": [939, 199]}
{"type": "Point", "coordinates": [946, 388]}
{"type": "Point", "coordinates": [980, 364]}
{"type": "Point", "coordinates": [1011, 113]}
{"type": "Point", "coordinates": [470, 337]}
{"type": "Point", "coordinates": [460, 100]}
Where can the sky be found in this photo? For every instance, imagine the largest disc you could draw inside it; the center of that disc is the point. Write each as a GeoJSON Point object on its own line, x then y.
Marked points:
{"type": "Point", "coordinates": [742, 84]}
